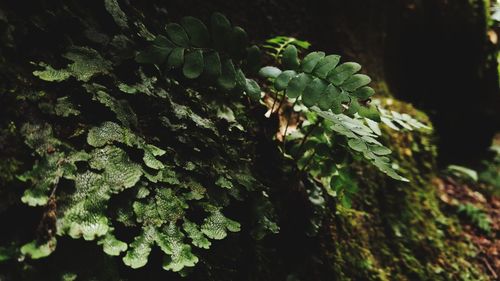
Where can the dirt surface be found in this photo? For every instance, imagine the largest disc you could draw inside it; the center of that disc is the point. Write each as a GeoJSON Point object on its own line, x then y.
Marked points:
{"type": "Point", "coordinates": [455, 192]}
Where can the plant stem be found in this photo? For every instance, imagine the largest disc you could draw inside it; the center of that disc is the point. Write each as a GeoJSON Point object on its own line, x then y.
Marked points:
{"type": "Point", "coordinates": [287, 123]}
{"type": "Point", "coordinates": [316, 124]}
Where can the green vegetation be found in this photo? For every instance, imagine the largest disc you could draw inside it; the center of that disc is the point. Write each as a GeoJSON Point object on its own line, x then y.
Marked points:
{"type": "Point", "coordinates": [184, 150]}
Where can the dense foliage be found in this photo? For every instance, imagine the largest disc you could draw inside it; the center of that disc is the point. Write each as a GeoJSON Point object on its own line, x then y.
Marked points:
{"type": "Point", "coordinates": [171, 140]}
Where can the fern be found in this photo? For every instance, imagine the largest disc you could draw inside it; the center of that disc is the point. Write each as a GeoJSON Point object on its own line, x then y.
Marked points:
{"type": "Point", "coordinates": [275, 46]}
{"type": "Point", "coordinates": [476, 216]}
{"type": "Point", "coordinates": [318, 81]}
{"type": "Point", "coordinates": [173, 173]}
{"type": "Point", "coordinates": [218, 53]}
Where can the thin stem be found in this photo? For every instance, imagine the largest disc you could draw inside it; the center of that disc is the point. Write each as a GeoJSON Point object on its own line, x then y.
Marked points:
{"type": "Point", "coordinates": [309, 161]}
{"type": "Point", "coordinates": [274, 102]}
{"type": "Point", "coordinates": [280, 49]}
{"type": "Point", "coordinates": [316, 124]}
{"type": "Point", "coordinates": [281, 103]}
{"type": "Point", "coordinates": [287, 123]}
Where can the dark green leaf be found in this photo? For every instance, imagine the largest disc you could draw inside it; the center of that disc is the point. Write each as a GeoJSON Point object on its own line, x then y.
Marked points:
{"type": "Point", "coordinates": [156, 53]}
{"type": "Point", "coordinates": [379, 149]}
{"type": "Point", "coordinates": [212, 64]}
{"type": "Point", "coordinates": [176, 58]}
{"type": "Point", "coordinates": [239, 42]}
{"type": "Point", "coordinates": [328, 98]}
{"type": "Point", "coordinates": [197, 31]}
{"type": "Point", "coordinates": [253, 59]}
{"type": "Point", "coordinates": [357, 145]}
{"type": "Point", "coordinates": [282, 80]}
{"type": "Point", "coordinates": [297, 85]}
{"type": "Point", "coordinates": [252, 89]}
{"type": "Point", "coordinates": [325, 65]}
{"type": "Point", "coordinates": [369, 112]}
{"type": "Point", "coordinates": [227, 80]}
{"type": "Point", "coordinates": [290, 59]}
{"type": "Point", "coordinates": [342, 72]}
{"type": "Point", "coordinates": [363, 93]}
{"type": "Point", "coordinates": [340, 99]}
{"type": "Point", "coordinates": [313, 91]}
{"type": "Point", "coordinates": [311, 60]}
{"type": "Point", "coordinates": [356, 81]}
{"type": "Point", "coordinates": [193, 64]}
{"type": "Point", "coordinates": [177, 34]}
{"type": "Point", "coordinates": [220, 27]}
{"type": "Point", "coordinates": [353, 107]}
{"type": "Point", "coordinates": [240, 79]}
{"type": "Point", "coordinates": [269, 72]}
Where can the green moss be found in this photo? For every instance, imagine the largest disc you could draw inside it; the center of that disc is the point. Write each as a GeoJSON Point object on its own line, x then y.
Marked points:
{"type": "Point", "coordinates": [398, 231]}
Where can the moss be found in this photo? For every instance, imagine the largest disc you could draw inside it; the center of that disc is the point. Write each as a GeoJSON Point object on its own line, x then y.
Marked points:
{"type": "Point", "coordinates": [398, 231]}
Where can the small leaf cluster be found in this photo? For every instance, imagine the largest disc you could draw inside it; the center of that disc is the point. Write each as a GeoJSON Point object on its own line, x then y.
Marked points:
{"type": "Point", "coordinates": [321, 80]}
{"type": "Point", "coordinates": [476, 216]}
{"type": "Point", "coordinates": [218, 53]}
{"type": "Point", "coordinates": [166, 174]}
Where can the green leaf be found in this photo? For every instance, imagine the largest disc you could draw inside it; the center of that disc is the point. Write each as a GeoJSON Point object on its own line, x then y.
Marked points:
{"type": "Point", "coordinates": [86, 63]}
{"type": "Point", "coordinates": [116, 12]}
{"type": "Point", "coordinates": [108, 132]}
{"type": "Point", "coordinates": [193, 64]}
{"type": "Point", "coordinates": [64, 107]}
{"type": "Point", "coordinates": [252, 89]}
{"type": "Point", "coordinates": [238, 42]}
{"type": "Point", "coordinates": [313, 91]}
{"type": "Point", "coordinates": [297, 85]}
{"type": "Point", "coordinates": [354, 106]}
{"type": "Point", "coordinates": [119, 171]}
{"type": "Point", "coordinates": [227, 80]}
{"type": "Point", "coordinates": [329, 97]}
{"type": "Point", "coordinates": [198, 239]}
{"type": "Point", "coordinates": [212, 64]}
{"type": "Point", "coordinates": [463, 171]}
{"type": "Point", "coordinates": [374, 126]}
{"type": "Point", "coordinates": [38, 251]}
{"type": "Point", "coordinates": [357, 145]}
{"type": "Point", "coordinates": [269, 72]}
{"type": "Point", "coordinates": [179, 254]}
{"type": "Point", "coordinates": [85, 214]}
{"type": "Point", "coordinates": [282, 80]}
{"type": "Point", "coordinates": [342, 72]}
{"type": "Point", "coordinates": [216, 226]}
{"type": "Point", "coordinates": [364, 93]}
{"type": "Point", "coordinates": [379, 149]}
{"type": "Point", "coordinates": [197, 31]}
{"type": "Point", "coordinates": [325, 65]}
{"type": "Point", "coordinates": [169, 206]}
{"type": "Point", "coordinates": [177, 34]}
{"type": "Point", "coordinates": [253, 60]}
{"type": "Point", "coordinates": [290, 59]}
{"type": "Point", "coordinates": [121, 108]}
{"type": "Point", "coordinates": [240, 79]}
{"type": "Point", "coordinates": [369, 112]}
{"type": "Point", "coordinates": [340, 99]}
{"type": "Point", "coordinates": [139, 250]}
{"type": "Point", "coordinates": [176, 58]}
{"type": "Point", "coordinates": [311, 60]}
{"type": "Point", "coordinates": [220, 28]}
{"type": "Point", "coordinates": [224, 183]}
{"type": "Point", "coordinates": [356, 81]}
{"type": "Point", "coordinates": [112, 246]}
{"type": "Point", "coordinates": [156, 53]}
{"type": "Point", "coordinates": [7, 253]}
